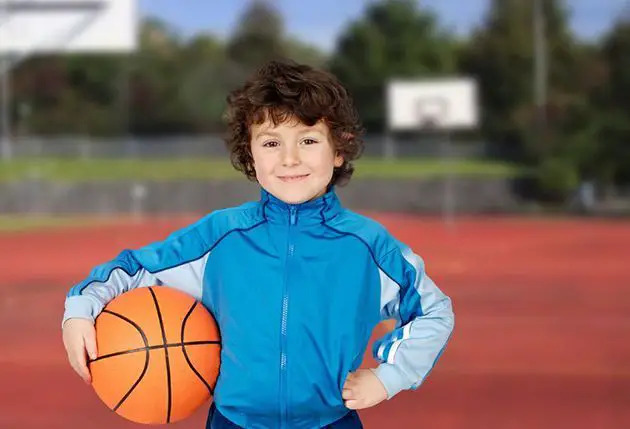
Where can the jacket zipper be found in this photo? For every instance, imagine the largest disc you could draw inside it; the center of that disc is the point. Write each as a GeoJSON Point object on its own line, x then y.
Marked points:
{"type": "Point", "coordinates": [283, 329]}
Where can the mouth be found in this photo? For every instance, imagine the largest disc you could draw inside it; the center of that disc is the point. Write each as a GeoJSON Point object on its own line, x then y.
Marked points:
{"type": "Point", "coordinates": [293, 177]}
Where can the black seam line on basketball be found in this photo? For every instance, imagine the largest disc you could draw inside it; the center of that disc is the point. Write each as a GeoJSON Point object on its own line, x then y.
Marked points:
{"type": "Point", "coordinates": [168, 365]}
{"type": "Point", "coordinates": [203, 380]}
{"type": "Point", "coordinates": [141, 349]}
{"type": "Point", "coordinates": [188, 261]}
{"type": "Point", "coordinates": [146, 361]}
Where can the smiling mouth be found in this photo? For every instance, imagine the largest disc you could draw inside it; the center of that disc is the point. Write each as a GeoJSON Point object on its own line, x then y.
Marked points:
{"type": "Point", "coordinates": [293, 178]}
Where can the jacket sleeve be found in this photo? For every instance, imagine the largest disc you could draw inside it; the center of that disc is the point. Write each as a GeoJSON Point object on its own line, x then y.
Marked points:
{"type": "Point", "coordinates": [424, 319]}
{"type": "Point", "coordinates": [178, 262]}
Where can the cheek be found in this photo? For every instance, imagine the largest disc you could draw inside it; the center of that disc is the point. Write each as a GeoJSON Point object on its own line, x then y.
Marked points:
{"type": "Point", "coordinates": [325, 160]}
{"type": "Point", "coordinates": [258, 165]}
{"type": "Point", "coordinates": [324, 169]}
{"type": "Point", "coordinates": [262, 163]}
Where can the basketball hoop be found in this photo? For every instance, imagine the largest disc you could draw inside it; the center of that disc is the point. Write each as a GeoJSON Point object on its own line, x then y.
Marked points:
{"type": "Point", "coordinates": [444, 104]}
{"type": "Point", "coordinates": [431, 112]}
{"type": "Point", "coordinates": [436, 107]}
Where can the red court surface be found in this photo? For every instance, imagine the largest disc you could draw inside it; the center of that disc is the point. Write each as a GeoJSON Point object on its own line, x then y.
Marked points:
{"type": "Point", "coordinates": [541, 339]}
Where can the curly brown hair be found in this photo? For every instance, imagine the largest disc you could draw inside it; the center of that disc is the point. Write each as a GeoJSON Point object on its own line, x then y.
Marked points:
{"type": "Point", "coordinates": [283, 91]}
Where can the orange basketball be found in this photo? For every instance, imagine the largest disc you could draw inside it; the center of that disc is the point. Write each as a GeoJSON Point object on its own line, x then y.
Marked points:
{"type": "Point", "coordinates": [158, 355]}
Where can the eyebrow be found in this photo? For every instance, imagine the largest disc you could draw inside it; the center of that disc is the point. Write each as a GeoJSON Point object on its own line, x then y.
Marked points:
{"type": "Point", "coordinates": [313, 130]}
{"type": "Point", "coordinates": [273, 134]}
{"type": "Point", "coordinates": [266, 134]}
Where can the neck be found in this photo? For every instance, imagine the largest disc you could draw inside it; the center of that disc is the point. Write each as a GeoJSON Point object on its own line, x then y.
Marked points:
{"type": "Point", "coordinates": [315, 211]}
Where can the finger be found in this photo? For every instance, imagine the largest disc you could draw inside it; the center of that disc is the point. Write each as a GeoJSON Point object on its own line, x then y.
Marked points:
{"type": "Point", "coordinates": [349, 381]}
{"type": "Point", "coordinates": [352, 404]}
{"type": "Point", "coordinates": [82, 369]}
{"type": "Point", "coordinates": [90, 345]}
{"type": "Point", "coordinates": [83, 373]}
{"type": "Point", "coordinates": [67, 343]}
{"type": "Point", "coordinates": [347, 394]}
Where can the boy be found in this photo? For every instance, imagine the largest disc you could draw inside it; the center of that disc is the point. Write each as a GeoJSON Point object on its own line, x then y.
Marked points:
{"type": "Point", "coordinates": [295, 281]}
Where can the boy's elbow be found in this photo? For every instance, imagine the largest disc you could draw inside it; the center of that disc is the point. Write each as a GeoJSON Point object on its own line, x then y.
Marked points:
{"type": "Point", "coordinates": [450, 323]}
{"type": "Point", "coordinates": [447, 315]}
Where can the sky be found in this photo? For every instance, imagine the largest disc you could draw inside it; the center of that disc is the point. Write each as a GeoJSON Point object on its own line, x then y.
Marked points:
{"type": "Point", "coordinates": [320, 22]}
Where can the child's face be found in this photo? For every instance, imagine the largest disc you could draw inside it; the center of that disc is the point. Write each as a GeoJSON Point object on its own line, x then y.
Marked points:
{"type": "Point", "coordinates": [293, 161]}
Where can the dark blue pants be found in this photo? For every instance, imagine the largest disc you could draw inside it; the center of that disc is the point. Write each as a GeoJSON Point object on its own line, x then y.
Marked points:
{"type": "Point", "coordinates": [216, 420]}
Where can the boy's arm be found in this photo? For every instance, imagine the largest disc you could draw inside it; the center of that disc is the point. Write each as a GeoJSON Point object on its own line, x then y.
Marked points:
{"type": "Point", "coordinates": [424, 318]}
{"type": "Point", "coordinates": [178, 262]}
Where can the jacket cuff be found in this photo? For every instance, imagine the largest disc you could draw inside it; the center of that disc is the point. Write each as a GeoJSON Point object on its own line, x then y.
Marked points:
{"type": "Point", "coordinates": [392, 378]}
{"type": "Point", "coordinates": [81, 307]}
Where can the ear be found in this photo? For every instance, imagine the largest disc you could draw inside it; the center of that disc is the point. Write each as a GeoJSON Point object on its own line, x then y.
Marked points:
{"type": "Point", "coordinates": [338, 157]}
{"type": "Point", "coordinates": [338, 160]}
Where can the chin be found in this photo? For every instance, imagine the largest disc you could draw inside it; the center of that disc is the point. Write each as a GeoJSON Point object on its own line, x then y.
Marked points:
{"type": "Point", "coordinates": [295, 196]}
{"type": "Point", "coordinates": [296, 193]}
{"type": "Point", "coordinates": [295, 199]}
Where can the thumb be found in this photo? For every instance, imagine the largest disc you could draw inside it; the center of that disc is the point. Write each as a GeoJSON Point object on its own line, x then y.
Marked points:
{"type": "Point", "coordinates": [90, 344]}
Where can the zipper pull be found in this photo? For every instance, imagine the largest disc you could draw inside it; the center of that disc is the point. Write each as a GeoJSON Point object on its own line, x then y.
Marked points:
{"type": "Point", "coordinates": [292, 215]}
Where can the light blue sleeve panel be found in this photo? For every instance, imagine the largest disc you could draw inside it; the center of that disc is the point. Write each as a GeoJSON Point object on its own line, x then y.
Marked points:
{"type": "Point", "coordinates": [424, 318]}
{"type": "Point", "coordinates": [178, 262]}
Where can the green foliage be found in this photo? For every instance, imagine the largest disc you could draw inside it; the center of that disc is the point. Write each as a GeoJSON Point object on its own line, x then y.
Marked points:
{"type": "Point", "coordinates": [500, 55]}
{"type": "Point", "coordinates": [616, 52]}
{"type": "Point", "coordinates": [175, 85]}
{"type": "Point", "coordinates": [557, 178]}
{"type": "Point", "coordinates": [613, 107]}
{"type": "Point", "coordinates": [258, 37]}
{"type": "Point", "coordinates": [393, 39]}
{"type": "Point", "coordinates": [170, 86]}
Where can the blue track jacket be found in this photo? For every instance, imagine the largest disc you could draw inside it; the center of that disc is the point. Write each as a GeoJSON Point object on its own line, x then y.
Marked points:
{"type": "Point", "coordinates": [296, 290]}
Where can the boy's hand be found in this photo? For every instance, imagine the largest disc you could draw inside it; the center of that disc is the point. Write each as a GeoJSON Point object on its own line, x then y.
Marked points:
{"type": "Point", "coordinates": [363, 389]}
{"type": "Point", "coordinates": [79, 337]}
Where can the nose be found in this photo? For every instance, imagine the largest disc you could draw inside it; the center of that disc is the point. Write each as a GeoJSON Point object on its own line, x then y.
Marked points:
{"type": "Point", "coordinates": [290, 156]}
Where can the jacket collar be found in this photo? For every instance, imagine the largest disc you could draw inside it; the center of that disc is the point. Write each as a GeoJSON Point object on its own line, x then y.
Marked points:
{"type": "Point", "coordinates": [311, 212]}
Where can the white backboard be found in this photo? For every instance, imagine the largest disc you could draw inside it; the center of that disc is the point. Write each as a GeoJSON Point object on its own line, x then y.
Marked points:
{"type": "Point", "coordinates": [443, 104]}
{"type": "Point", "coordinates": [67, 26]}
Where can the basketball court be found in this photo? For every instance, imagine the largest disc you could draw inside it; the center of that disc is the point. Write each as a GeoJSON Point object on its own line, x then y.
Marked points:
{"type": "Point", "coordinates": [541, 308]}
{"type": "Point", "coordinates": [542, 305]}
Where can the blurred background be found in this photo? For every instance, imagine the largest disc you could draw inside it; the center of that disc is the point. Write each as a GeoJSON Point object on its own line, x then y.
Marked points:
{"type": "Point", "coordinates": [552, 98]}
{"type": "Point", "coordinates": [521, 214]}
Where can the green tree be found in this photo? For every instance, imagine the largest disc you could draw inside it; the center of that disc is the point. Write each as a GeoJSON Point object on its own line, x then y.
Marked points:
{"type": "Point", "coordinates": [616, 51]}
{"type": "Point", "coordinates": [393, 39]}
{"type": "Point", "coordinates": [500, 55]}
{"type": "Point", "coordinates": [39, 83]}
{"type": "Point", "coordinates": [154, 86]}
{"type": "Point", "coordinates": [613, 103]}
{"type": "Point", "coordinates": [304, 53]}
{"type": "Point", "coordinates": [258, 37]}
{"type": "Point", "coordinates": [206, 76]}
{"type": "Point", "coordinates": [75, 94]}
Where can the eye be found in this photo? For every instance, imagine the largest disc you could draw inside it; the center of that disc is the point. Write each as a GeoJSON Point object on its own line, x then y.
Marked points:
{"type": "Point", "coordinates": [271, 143]}
{"type": "Point", "coordinates": [309, 141]}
